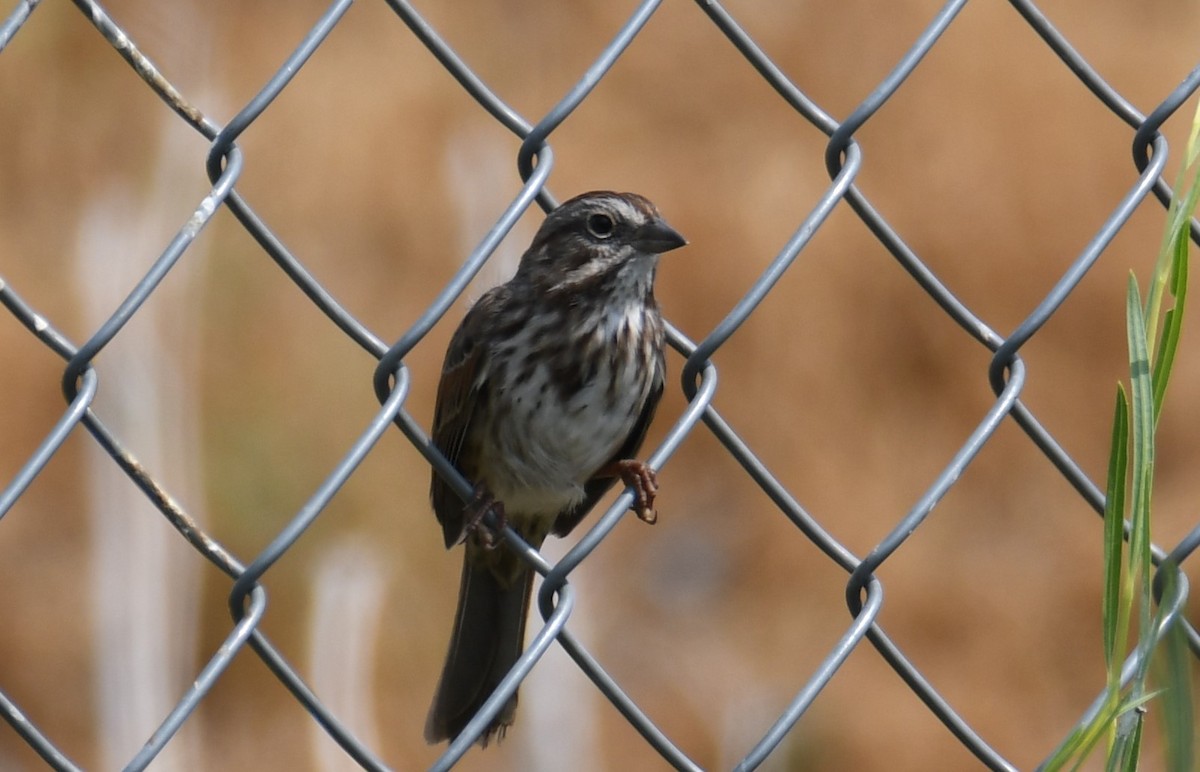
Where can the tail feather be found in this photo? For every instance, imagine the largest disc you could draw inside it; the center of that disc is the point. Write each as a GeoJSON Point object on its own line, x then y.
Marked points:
{"type": "Point", "coordinates": [488, 637]}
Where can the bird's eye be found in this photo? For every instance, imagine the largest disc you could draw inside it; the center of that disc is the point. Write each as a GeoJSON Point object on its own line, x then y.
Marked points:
{"type": "Point", "coordinates": [601, 226]}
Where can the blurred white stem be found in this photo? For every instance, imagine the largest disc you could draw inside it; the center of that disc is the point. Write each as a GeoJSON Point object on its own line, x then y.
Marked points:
{"type": "Point", "coordinates": [557, 700]}
{"type": "Point", "coordinates": [144, 599]}
{"type": "Point", "coordinates": [348, 600]}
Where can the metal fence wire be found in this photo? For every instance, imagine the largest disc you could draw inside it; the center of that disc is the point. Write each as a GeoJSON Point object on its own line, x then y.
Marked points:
{"type": "Point", "coordinates": [393, 381]}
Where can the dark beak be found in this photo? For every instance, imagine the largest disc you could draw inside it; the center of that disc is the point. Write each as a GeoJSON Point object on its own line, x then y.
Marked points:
{"type": "Point", "coordinates": [657, 237]}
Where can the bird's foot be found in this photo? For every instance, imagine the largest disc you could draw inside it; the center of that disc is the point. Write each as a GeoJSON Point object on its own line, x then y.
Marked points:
{"type": "Point", "coordinates": [644, 482]}
{"type": "Point", "coordinates": [475, 522]}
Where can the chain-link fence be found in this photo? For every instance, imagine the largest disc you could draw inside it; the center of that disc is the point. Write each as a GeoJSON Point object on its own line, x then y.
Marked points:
{"type": "Point", "coordinates": [700, 354]}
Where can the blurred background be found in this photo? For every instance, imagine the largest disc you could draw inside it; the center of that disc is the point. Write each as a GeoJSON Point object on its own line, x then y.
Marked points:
{"type": "Point", "coordinates": [992, 162]}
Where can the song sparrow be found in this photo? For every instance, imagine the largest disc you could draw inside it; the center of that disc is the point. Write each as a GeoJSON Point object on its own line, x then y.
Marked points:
{"type": "Point", "coordinates": [546, 392]}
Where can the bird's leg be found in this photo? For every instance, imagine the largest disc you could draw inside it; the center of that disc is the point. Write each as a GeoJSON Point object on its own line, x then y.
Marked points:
{"type": "Point", "coordinates": [644, 482]}
{"type": "Point", "coordinates": [475, 514]}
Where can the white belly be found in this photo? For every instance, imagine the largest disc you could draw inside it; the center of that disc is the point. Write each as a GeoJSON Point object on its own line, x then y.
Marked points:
{"type": "Point", "coordinates": [554, 446]}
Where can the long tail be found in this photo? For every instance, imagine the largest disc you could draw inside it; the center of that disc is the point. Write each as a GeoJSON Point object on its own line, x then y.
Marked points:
{"type": "Point", "coordinates": [489, 635]}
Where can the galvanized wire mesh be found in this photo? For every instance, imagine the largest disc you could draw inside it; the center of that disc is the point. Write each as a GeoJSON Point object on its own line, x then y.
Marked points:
{"type": "Point", "coordinates": [392, 380]}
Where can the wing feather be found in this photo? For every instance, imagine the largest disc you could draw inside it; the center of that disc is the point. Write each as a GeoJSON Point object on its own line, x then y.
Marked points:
{"type": "Point", "coordinates": [461, 390]}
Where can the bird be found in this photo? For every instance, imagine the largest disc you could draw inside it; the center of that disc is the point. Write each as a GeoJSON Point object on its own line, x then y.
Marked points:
{"type": "Point", "coordinates": [547, 389]}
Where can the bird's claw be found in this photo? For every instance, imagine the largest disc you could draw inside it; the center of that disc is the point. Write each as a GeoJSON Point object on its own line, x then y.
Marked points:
{"type": "Point", "coordinates": [644, 482]}
{"type": "Point", "coordinates": [475, 522]}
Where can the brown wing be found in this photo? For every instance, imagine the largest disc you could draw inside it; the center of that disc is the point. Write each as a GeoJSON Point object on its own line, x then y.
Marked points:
{"type": "Point", "coordinates": [460, 391]}
{"type": "Point", "coordinates": [595, 488]}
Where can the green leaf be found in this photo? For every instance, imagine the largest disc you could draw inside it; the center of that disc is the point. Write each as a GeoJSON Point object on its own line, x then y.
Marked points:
{"type": "Point", "coordinates": [1173, 318]}
{"type": "Point", "coordinates": [1141, 429]}
{"type": "Point", "coordinates": [1174, 674]}
{"type": "Point", "coordinates": [1083, 739]}
{"type": "Point", "coordinates": [1114, 538]}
